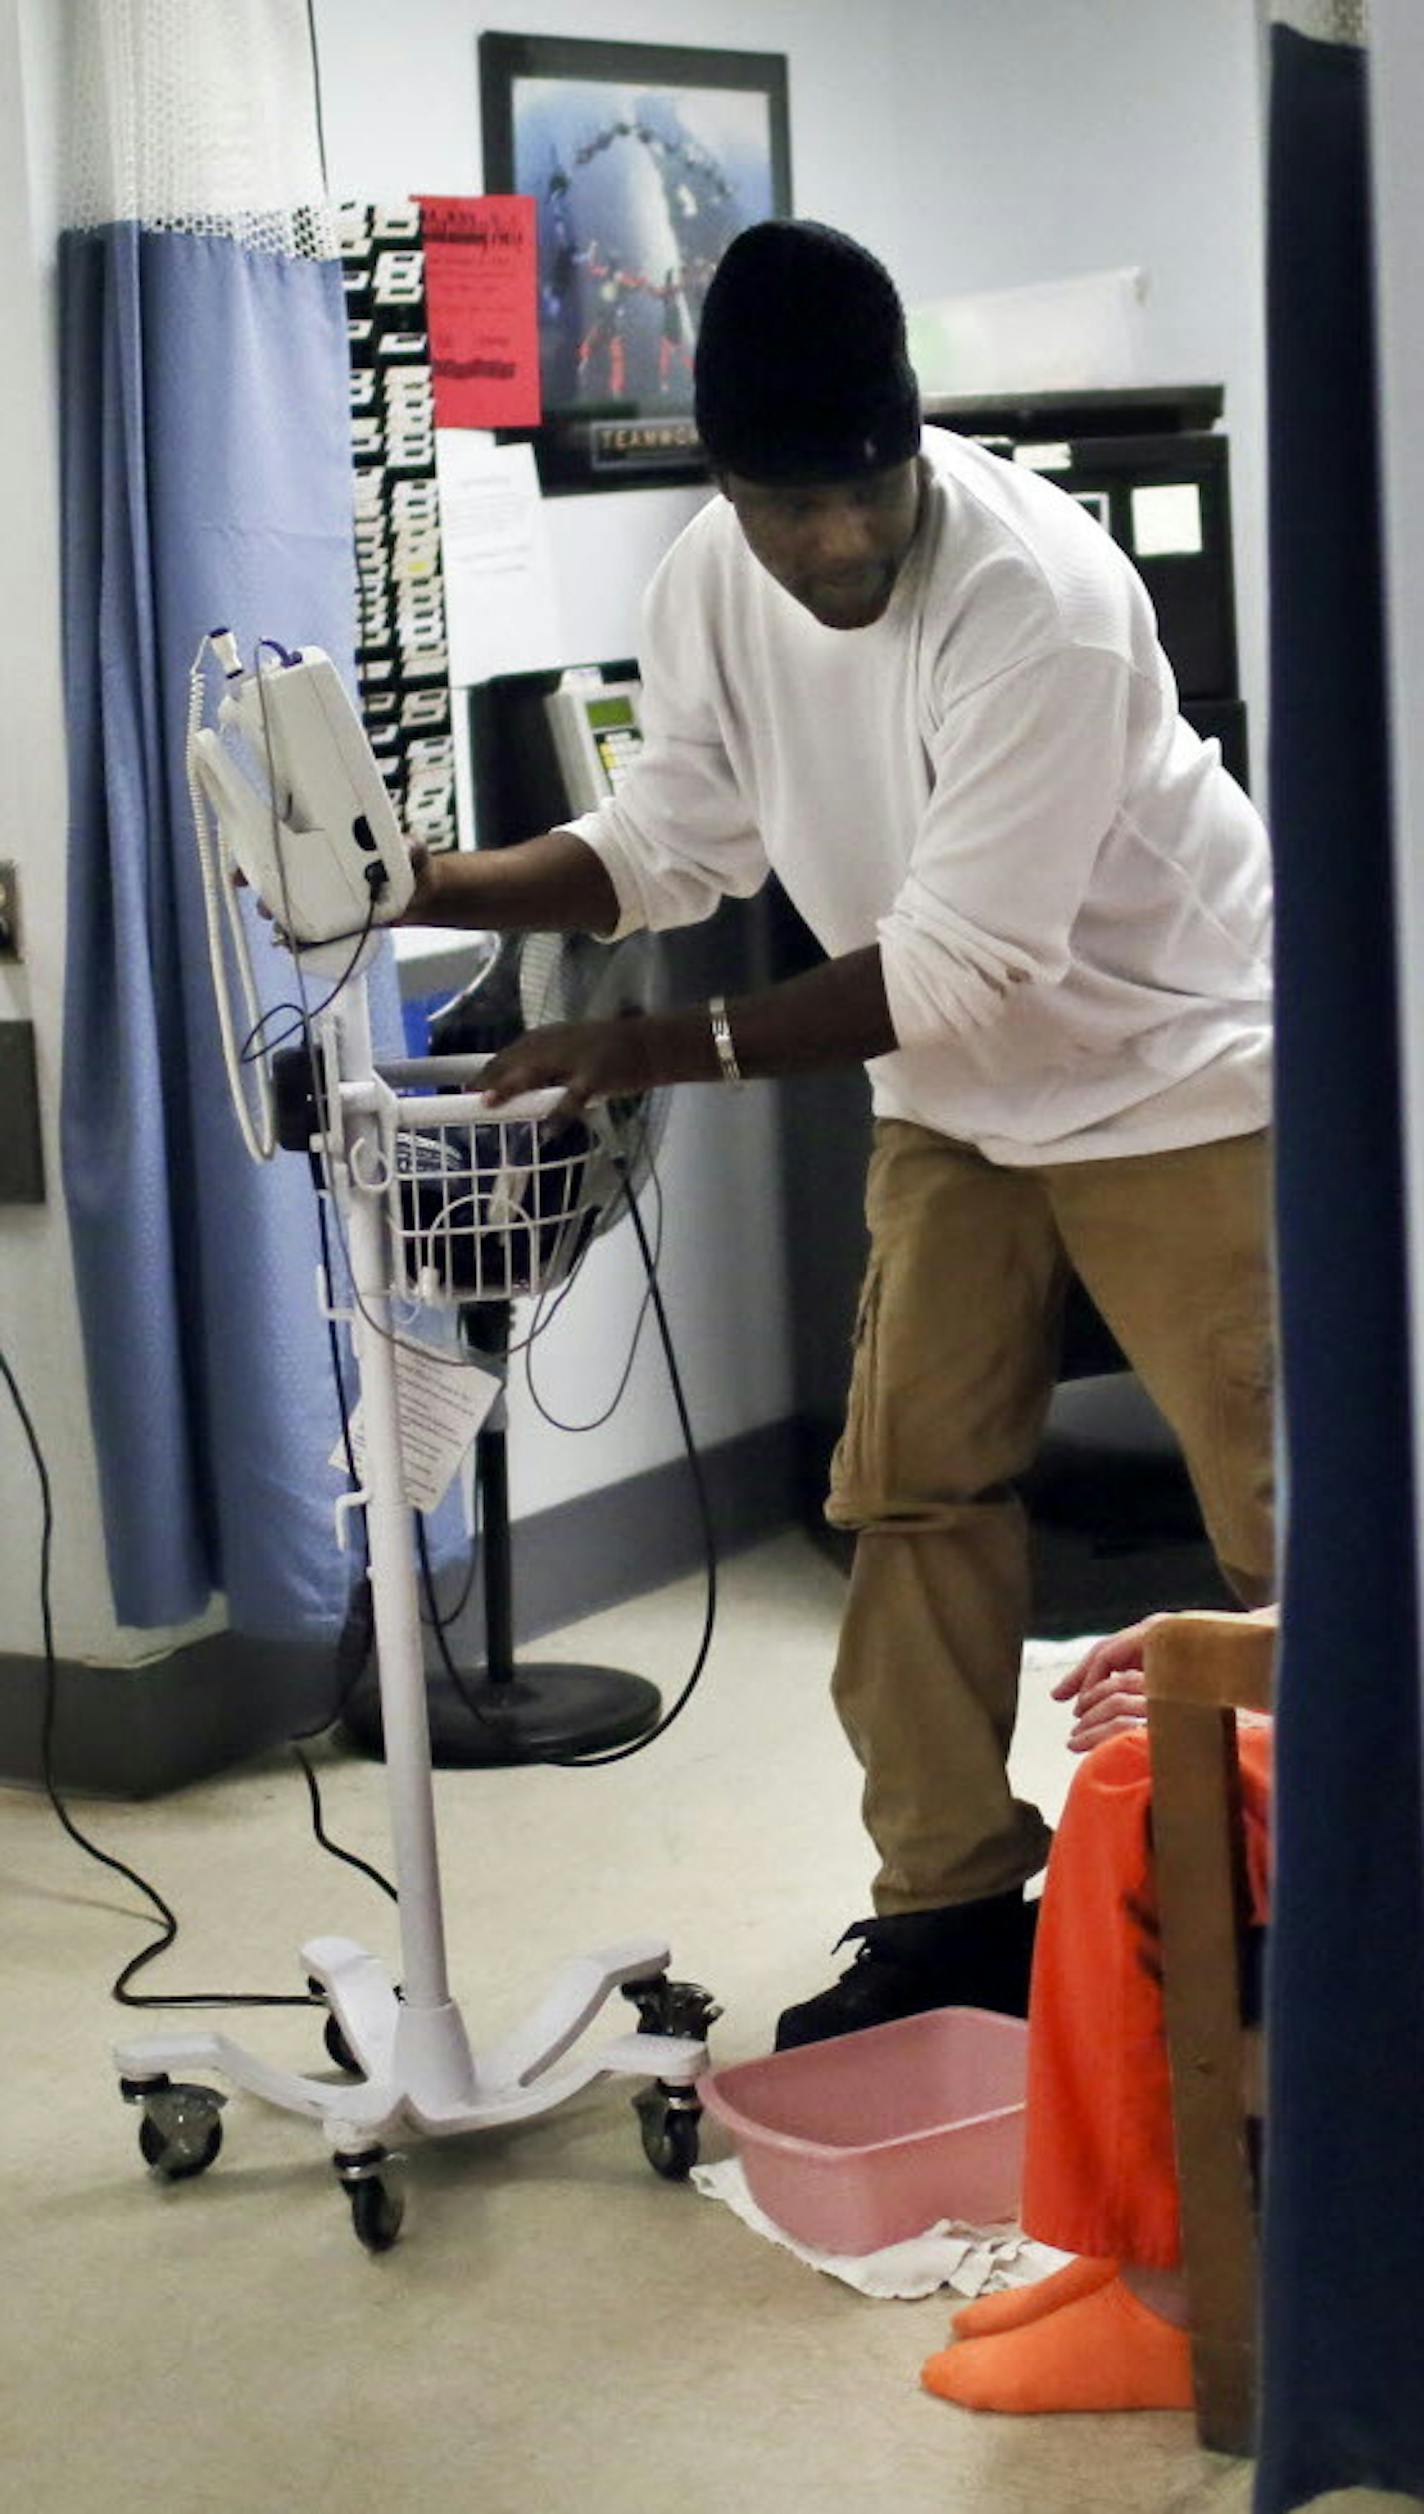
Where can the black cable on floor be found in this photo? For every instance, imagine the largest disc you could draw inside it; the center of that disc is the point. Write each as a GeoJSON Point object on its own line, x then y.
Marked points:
{"type": "Point", "coordinates": [167, 1917]}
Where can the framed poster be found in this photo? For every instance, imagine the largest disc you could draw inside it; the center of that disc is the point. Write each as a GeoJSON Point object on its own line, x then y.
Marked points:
{"type": "Point", "coordinates": [643, 161]}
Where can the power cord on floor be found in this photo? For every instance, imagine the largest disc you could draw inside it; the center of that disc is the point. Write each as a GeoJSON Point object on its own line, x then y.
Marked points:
{"type": "Point", "coordinates": [168, 1919]}
{"type": "Point", "coordinates": [351, 1858]}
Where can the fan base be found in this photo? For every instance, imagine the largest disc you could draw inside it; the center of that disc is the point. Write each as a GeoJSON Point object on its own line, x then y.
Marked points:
{"type": "Point", "coordinates": [541, 1709]}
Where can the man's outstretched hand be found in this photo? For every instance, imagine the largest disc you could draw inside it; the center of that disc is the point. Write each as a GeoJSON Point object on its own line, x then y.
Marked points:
{"type": "Point", "coordinates": [588, 1060]}
{"type": "Point", "coordinates": [421, 863]}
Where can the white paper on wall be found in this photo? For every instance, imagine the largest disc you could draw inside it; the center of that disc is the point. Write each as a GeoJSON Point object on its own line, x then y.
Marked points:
{"type": "Point", "coordinates": [1167, 520]}
{"type": "Point", "coordinates": [500, 595]}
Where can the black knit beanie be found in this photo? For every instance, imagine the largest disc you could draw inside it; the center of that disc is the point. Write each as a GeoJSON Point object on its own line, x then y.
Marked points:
{"type": "Point", "coordinates": [801, 369]}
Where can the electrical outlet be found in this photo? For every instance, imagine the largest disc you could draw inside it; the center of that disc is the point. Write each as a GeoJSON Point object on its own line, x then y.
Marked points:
{"type": "Point", "coordinates": [9, 914]}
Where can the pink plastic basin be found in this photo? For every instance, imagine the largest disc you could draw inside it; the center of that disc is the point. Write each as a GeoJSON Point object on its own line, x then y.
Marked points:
{"type": "Point", "coordinates": [863, 2141]}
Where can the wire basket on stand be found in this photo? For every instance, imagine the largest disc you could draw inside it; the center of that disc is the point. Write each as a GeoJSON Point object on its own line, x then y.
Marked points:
{"type": "Point", "coordinates": [488, 1207]}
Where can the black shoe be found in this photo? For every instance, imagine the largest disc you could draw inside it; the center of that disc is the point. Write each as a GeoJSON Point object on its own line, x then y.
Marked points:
{"type": "Point", "coordinates": [965, 1955]}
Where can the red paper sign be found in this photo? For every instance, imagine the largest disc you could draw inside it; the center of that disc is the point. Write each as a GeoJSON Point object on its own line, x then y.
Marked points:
{"type": "Point", "coordinates": [481, 306]}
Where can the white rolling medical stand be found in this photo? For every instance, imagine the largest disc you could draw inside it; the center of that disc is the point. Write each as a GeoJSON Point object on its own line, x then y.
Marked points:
{"type": "Point", "coordinates": [438, 1202]}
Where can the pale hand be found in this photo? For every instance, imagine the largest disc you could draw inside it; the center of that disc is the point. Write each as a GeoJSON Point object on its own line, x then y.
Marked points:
{"type": "Point", "coordinates": [1107, 1688]}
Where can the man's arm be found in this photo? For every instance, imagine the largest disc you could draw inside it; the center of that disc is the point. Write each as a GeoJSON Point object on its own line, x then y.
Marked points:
{"type": "Point", "coordinates": [552, 885]}
{"type": "Point", "coordinates": [833, 1015]}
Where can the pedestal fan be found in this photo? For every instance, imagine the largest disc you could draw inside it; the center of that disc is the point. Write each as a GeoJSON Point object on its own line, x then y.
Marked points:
{"type": "Point", "coordinates": [513, 1710]}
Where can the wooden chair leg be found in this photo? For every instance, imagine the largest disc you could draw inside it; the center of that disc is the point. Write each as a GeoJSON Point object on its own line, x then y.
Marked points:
{"type": "Point", "coordinates": [1197, 1838]}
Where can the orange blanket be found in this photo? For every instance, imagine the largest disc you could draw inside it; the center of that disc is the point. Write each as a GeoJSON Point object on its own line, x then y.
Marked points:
{"type": "Point", "coordinates": [1099, 2171]}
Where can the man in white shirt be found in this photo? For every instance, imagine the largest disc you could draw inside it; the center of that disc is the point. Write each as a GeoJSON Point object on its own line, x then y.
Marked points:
{"type": "Point", "coordinates": [925, 688]}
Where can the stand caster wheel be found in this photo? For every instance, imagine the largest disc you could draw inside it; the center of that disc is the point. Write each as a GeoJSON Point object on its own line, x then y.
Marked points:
{"type": "Point", "coordinates": [339, 2050]}
{"type": "Point", "coordinates": [181, 2130]}
{"type": "Point", "coordinates": [377, 2205]}
{"type": "Point", "coordinates": [668, 2007]}
{"type": "Point", "coordinates": [376, 2214]}
{"type": "Point", "coordinates": [670, 2120]}
{"type": "Point", "coordinates": [337, 2047]}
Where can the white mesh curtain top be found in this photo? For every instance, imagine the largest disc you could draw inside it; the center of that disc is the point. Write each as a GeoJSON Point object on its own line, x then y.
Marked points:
{"type": "Point", "coordinates": [197, 119]}
{"type": "Point", "coordinates": [206, 481]}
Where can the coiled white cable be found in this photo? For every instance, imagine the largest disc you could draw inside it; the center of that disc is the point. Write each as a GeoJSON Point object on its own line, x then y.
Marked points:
{"type": "Point", "coordinates": [258, 1124]}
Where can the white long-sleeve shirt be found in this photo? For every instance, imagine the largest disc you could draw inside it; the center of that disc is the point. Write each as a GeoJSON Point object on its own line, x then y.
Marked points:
{"type": "Point", "coordinates": [1070, 894]}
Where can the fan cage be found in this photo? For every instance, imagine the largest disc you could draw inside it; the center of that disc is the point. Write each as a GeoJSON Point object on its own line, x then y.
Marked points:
{"type": "Point", "coordinates": [490, 1204]}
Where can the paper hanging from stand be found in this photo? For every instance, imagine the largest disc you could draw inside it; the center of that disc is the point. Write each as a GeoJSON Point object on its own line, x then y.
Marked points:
{"type": "Point", "coordinates": [442, 1406]}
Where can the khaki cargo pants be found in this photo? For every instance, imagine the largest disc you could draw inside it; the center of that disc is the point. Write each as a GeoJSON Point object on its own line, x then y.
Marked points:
{"type": "Point", "coordinates": [955, 1363]}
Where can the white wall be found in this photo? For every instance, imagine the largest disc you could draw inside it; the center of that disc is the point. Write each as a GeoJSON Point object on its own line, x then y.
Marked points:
{"type": "Point", "coordinates": [974, 144]}
{"type": "Point", "coordinates": [1041, 138]}
{"type": "Point", "coordinates": [401, 107]}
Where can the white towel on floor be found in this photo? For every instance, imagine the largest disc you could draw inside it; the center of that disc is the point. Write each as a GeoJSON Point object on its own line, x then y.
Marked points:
{"type": "Point", "coordinates": [969, 2259]}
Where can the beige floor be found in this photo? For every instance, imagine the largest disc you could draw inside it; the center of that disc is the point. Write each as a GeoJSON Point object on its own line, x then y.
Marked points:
{"type": "Point", "coordinates": [557, 2329]}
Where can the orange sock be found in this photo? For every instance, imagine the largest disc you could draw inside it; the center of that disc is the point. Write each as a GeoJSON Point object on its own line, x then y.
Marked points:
{"type": "Point", "coordinates": [1104, 2351]}
{"type": "Point", "coordinates": [1009, 2308]}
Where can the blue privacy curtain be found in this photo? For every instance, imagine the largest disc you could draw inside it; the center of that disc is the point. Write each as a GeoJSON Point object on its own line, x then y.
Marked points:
{"type": "Point", "coordinates": [206, 482]}
{"type": "Point", "coordinates": [1343, 2393]}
